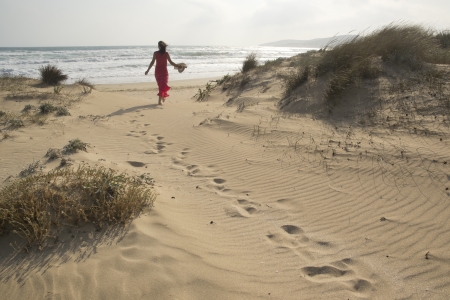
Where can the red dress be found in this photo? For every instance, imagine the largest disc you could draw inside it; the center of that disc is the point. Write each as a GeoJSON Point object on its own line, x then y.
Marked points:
{"type": "Point", "coordinates": [161, 74]}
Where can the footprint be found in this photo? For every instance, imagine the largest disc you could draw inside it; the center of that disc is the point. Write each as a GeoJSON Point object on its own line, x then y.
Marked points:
{"type": "Point", "coordinates": [219, 181]}
{"type": "Point", "coordinates": [137, 164]}
{"type": "Point", "coordinates": [233, 212]}
{"type": "Point", "coordinates": [361, 285]}
{"type": "Point", "coordinates": [290, 205]}
{"type": "Point", "coordinates": [248, 206]}
{"type": "Point", "coordinates": [291, 229]}
{"type": "Point", "coordinates": [342, 272]}
{"type": "Point", "coordinates": [324, 273]}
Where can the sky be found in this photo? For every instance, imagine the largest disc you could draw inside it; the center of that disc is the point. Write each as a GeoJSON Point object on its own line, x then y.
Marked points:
{"type": "Point", "coordinates": [50, 23]}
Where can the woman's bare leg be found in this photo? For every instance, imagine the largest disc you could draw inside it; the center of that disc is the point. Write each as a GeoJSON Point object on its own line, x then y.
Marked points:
{"type": "Point", "coordinates": [160, 100]}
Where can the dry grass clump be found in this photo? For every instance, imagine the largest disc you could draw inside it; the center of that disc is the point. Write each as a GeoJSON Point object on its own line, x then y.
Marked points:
{"type": "Point", "coordinates": [272, 63]}
{"type": "Point", "coordinates": [249, 63]}
{"type": "Point", "coordinates": [86, 85]}
{"type": "Point", "coordinates": [296, 79]}
{"type": "Point", "coordinates": [444, 38]}
{"type": "Point", "coordinates": [53, 153]}
{"type": "Point", "coordinates": [412, 47]}
{"type": "Point", "coordinates": [224, 79]}
{"type": "Point", "coordinates": [12, 83]}
{"type": "Point", "coordinates": [15, 123]}
{"type": "Point", "coordinates": [36, 205]}
{"type": "Point", "coordinates": [46, 108]}
{"type": "Point", "coordinates": [203, 94]}
{"type": "Point", "coordinates": [28, 107]}
{"type": "Point", "coordinates": [52, 75]}
{"type": "Point", "coordinates": [62, 111]}
{"type": "Point", "coordinates": [31, 169]}
{"type": "Point", "coordinates": [75, 145]}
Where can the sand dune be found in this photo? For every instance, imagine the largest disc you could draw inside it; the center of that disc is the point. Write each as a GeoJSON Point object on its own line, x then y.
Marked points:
{"type": "Point", "coordinates": [252, 203]}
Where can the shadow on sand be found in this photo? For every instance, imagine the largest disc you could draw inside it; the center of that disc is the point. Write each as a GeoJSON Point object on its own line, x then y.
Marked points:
{"type": "Point", "coordinates": [133, 109]}
{"type": "Point", "coordinates": [69, 244]}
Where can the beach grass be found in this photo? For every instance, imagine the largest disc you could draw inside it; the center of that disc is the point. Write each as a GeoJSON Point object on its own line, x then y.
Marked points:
{"type": "Point", "coordinates": [52, 75]}
{"type": "Point", "coordinates": [35, 205]}
{"type": "Point", "coordinates": [250, 62]}
{"type": "Point", "coordinates": [411, 47]}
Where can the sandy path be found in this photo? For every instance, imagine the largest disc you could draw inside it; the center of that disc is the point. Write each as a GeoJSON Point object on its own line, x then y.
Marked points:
{"type": "Point", "coordinates": [251, 205]}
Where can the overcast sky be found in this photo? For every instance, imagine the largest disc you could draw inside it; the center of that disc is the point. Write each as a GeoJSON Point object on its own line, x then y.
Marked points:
{"type": "Point", "coordinates": [27, 23]}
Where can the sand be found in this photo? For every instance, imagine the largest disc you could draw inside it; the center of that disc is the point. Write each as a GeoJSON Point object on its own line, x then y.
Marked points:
{"type": "Point", "coordinates": [252, 203]}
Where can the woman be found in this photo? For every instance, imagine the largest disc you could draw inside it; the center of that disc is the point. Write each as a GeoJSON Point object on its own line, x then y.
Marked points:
{"type": "Point", "coordinates": [161, 74]}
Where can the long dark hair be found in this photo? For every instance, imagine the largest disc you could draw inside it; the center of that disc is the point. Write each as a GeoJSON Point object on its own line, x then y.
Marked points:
{"type": "Point", "coordinates": [162, 47]}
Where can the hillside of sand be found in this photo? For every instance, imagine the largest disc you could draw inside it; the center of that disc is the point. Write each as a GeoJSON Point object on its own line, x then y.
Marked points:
{"type": "Point", "coordinates": [257, 198]}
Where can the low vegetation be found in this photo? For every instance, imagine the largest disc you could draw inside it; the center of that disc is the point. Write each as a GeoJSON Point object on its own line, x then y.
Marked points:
{"type": "Point", "coordinates": [203, 94]}
{"type": "Point", "coordinates": [57, 102]}
{"type": "Point", "coordinates": [86, 85]}
{"type": "Point", "coordinates": [411, 47]}
{"type": "Point", "coordinates": [52, 75]}
{"type": "Point", "coordinates": [444, 38]}
{"type": "Point", "coordinates": [36, 205]}
{"type": "Point", "coordinates": [75, 145]}
{"type": "Point", "coordinates": [250, 62]}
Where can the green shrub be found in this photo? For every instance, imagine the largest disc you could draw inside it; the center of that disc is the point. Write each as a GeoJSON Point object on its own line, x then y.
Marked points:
{"type": "Point", "coordinates": [51, 75]}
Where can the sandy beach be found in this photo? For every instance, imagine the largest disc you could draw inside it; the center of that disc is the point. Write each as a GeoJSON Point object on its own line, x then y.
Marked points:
{"type": "Point", "coordinates": [253, 201]}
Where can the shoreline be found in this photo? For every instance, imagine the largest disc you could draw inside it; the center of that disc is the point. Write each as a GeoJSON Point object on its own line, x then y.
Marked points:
{"type": "Point", "coordinates": [193, 84]}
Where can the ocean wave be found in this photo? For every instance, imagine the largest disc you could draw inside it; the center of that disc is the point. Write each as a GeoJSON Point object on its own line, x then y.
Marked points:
{"type": "Point", "coordinates": [128, 63]}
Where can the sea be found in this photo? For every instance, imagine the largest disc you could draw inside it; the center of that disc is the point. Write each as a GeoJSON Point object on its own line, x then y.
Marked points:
{"type": "Point", "coordinates": [127, 64]}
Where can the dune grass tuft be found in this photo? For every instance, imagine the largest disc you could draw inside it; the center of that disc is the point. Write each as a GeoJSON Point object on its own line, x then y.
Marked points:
{"type": "Point", "coordinates": [52, 75]}
{"type": "Point", "coordinates": [444, 38]}
{"type": "Point", "coordinates": [75, 146]}
{"type": "Point", "coordinates": [249, 63]}
{"type": "Point", "coordinates": [86, 85]}
{"type": "Point", "coordinates": [35, 205]}
{"type": "Point", "coordinates": [46, 108]}
{"type": "Point", "coordinates": [62, 111]}
{"type": "Point", "coordinates": [296, 79]}
{"type": "Point", "coordinates": [403, 45]}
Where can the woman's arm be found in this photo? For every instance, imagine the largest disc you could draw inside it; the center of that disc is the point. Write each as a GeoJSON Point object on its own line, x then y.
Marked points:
{"type": "Point", "coordinates": [151, 64]}
{"type": "Point", "coordinates": [171, 62]}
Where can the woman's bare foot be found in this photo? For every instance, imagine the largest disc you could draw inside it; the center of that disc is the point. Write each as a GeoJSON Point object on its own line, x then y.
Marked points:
{"type": "Point", "coordinates": [163, 100]}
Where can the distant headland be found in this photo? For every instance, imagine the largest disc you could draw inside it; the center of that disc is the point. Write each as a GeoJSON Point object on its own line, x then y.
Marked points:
{"type": "Point", "coordinates": [314, 43]}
